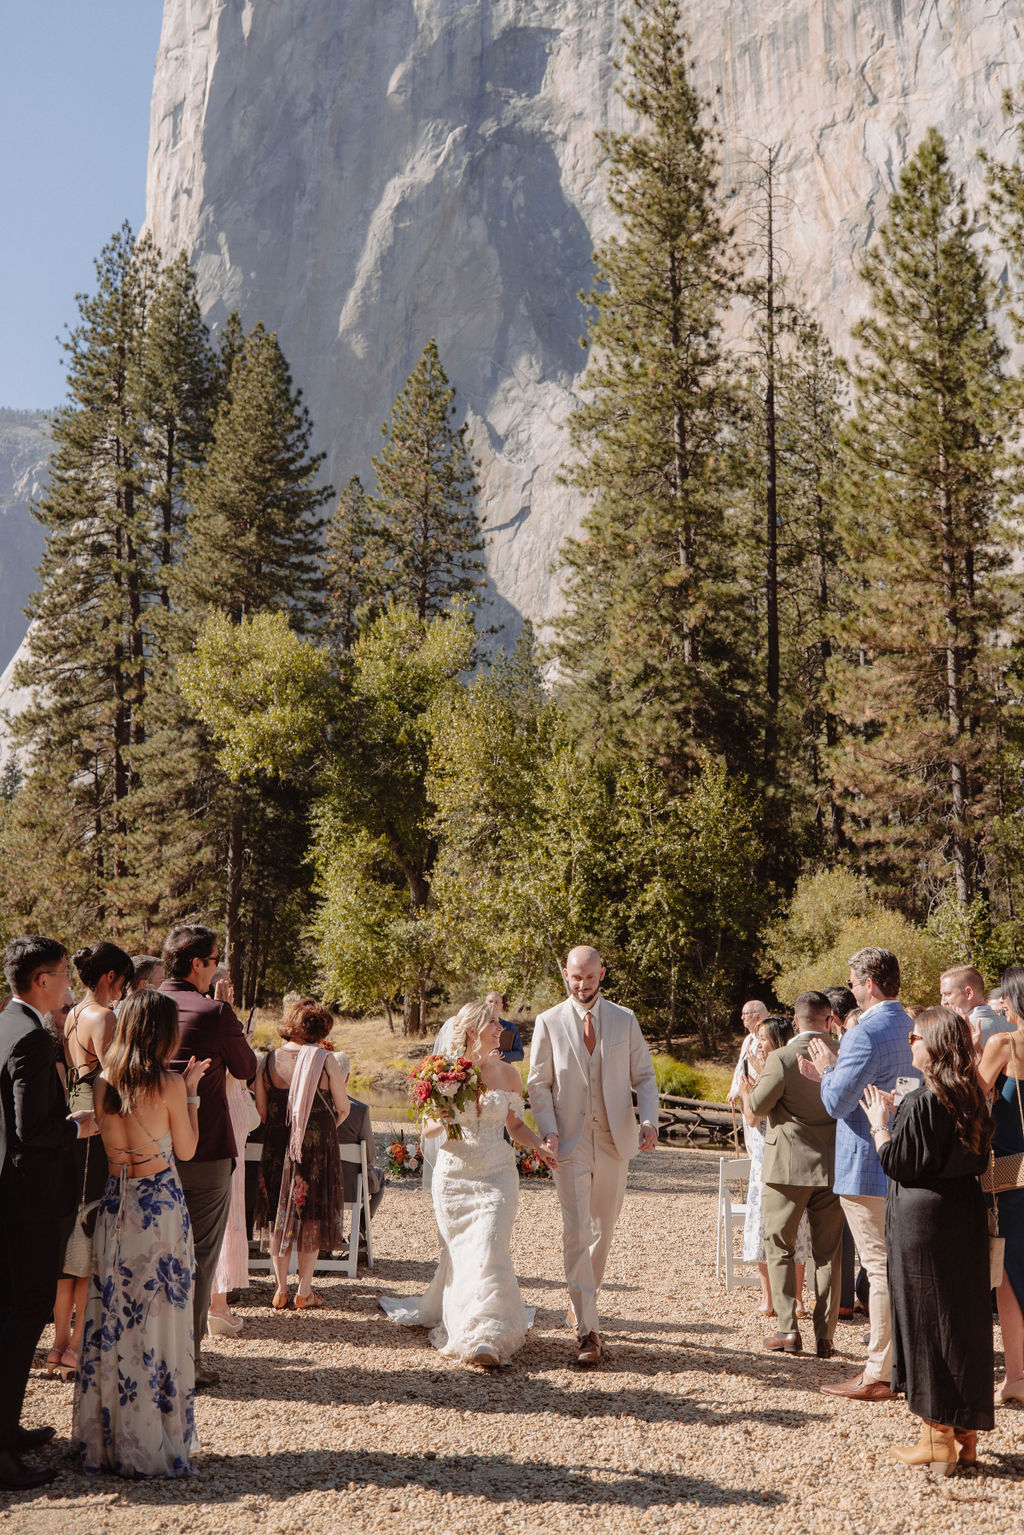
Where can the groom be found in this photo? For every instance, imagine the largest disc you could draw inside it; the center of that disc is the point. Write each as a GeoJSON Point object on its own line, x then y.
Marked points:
{"type": "Point", "coordinates": [586, 1056]}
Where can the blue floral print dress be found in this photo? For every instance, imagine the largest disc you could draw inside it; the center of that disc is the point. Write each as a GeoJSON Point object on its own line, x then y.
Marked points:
{"type": "Point", "coordinates": [136, 1375]}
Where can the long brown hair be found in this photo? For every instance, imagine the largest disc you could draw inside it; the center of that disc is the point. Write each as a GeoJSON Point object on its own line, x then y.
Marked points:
{"type": "Point", "coordinates": [145, 1038]}
{"type": "Point", "coordinates": [951, 1075]}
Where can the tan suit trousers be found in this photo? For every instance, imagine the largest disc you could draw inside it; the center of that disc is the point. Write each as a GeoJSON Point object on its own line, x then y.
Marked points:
{"type": "Point", "coordinates": [591, 1185]}
{"type": "Point", "coordinates": [865, 1216]}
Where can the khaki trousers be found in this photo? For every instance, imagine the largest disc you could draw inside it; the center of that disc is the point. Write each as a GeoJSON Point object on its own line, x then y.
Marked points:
{"type": "Point", "coordinates": [782, 1205]}
{"type": "Point", "coordinates": [865, 1216]}
{"type": "Point", "coordinates": [591, 1185]}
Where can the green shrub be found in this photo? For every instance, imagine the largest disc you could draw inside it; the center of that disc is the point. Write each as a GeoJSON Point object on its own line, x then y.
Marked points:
{"type": "Point", "coordinates": [675, 1077]}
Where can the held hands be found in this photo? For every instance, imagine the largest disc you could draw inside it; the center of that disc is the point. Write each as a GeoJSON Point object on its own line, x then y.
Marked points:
{"type": "Point", "coordinates": [193, 1074]}
{"type": "Point", "coordinates": [877, 1106]}
{"type": "Point", "coordinates": [547, 1157]}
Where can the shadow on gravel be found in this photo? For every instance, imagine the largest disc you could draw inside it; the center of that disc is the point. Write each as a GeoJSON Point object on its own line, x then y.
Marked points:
{"type": "Point", "coordinates": [583, 1396]}
{"type": "Point", "coordinates": [284, 1474]}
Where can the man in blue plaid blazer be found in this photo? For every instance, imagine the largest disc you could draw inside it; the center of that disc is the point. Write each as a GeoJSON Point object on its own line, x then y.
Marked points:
{"type": "Point", "coordinates": [875, 1052]}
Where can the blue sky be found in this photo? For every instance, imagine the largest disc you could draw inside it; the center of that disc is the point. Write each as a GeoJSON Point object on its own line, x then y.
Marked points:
{"type": "Point", "coordinates": [75, 82]}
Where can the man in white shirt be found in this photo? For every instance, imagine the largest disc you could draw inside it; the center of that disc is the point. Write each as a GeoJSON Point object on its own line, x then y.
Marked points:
{"type": "Point", "coordinates": [963, 989]}
{"type": "Point", "coordinates": [586, 1056]}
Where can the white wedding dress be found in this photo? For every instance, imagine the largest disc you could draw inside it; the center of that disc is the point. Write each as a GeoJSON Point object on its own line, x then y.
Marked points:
{"type": "Point", "coordinates": [473, 1300]}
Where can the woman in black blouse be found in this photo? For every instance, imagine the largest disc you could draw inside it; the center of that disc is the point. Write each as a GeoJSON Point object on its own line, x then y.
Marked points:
{"type": "Point", "coordinates": [936, 1234]}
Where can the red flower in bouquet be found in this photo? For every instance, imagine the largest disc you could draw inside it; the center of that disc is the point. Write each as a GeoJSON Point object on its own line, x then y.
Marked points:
{"type": "Point", "coordinates": [441, 1088]}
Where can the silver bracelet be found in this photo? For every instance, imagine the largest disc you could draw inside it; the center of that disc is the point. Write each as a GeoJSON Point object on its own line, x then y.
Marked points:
{"type": "Point", "coordinates": [192, 1100]}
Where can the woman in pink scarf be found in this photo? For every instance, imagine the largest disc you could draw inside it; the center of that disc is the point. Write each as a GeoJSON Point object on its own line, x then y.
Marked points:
{"type": "Point", "coordinates": [300, 1094]}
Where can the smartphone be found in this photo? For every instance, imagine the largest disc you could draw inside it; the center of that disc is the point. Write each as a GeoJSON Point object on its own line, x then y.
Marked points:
{"type": "Point", "coordinates": [904, 1085]}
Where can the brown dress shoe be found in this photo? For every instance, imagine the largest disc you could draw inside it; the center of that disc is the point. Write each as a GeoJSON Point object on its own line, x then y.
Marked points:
{"type": "Point", "coordinates": [786, 1343]}
{"type": "Point", "coordinates": [825, 1348]}
{"type": "Point", "coordinates": [590, 1349]}
{"type": "Point", "coordinates": [861, 1390]}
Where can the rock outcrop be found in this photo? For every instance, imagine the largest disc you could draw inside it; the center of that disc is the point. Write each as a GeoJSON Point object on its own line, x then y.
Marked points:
{"type": "Point", "coordinates": [24, 455]}
{"type": "Point", "coordinates": [362, 178]}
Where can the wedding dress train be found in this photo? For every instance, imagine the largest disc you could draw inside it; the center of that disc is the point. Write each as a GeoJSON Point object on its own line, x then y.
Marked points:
{"type": "Point", "coordinates": [473, 1300]}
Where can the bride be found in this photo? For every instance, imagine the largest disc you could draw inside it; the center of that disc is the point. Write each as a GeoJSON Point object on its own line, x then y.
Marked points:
{"type": "Point", "coordinates": [473, 1306]}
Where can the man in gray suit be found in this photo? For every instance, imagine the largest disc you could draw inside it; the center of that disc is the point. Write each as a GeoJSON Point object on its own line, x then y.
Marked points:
{"type": "Point", "coordinates": [799, 1167]}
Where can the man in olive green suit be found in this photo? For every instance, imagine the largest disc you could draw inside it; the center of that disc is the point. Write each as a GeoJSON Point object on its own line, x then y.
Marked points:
{"type": "Point", "coordinates": [799, 1169]}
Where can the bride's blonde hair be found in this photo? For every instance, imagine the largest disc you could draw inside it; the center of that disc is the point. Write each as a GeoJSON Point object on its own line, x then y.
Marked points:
{"type": "Point", "coordinates": [468, 1019]}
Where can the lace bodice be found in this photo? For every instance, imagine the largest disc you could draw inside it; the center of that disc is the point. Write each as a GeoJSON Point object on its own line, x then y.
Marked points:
{"type": "Point", "coordinates": [488, 1124]}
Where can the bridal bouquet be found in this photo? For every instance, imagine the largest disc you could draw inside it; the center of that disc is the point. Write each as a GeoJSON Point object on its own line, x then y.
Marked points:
{"type": "Point", "coordinates": [441, 1087]}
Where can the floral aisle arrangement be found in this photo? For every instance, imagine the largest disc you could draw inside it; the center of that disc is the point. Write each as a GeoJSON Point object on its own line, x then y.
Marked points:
{"type": "Point", "coordinates": [441, 1088]}
{"type": "Point", "coordinates": [405, 1158]}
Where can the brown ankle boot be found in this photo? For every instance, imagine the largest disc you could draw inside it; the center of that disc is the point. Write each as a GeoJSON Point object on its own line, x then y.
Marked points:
{"type": "Point", "coordinates": [934, 1452]}
{"type": "Point", "coordinates": [967, 1441]}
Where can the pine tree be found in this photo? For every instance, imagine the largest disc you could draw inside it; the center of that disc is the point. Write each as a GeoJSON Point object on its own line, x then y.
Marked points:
{"type": "Point", "coordinates": [349, 585]}
{"type": "Point", "coordinates": [177, 395]}
{"type": "Point", "coordinates": [811, 584]}
{"type": "Point", "coordinates": [651, 644]}
{"type": "Point", "coordinates": [426, 543]}
{"type": "Point", "coordinates": [87, 655]}
{"type": "Point", "coordinates": [252, 545]}
{"type": "Point", "coordinates": [254, 533]}
{"type": "Point", "coordinates": [923, 543]}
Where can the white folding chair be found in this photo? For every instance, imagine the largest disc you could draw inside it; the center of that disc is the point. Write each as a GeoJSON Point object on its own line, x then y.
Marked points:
{"type": "Point", "coordinates": [731, 1214]}
{"type": "Point", "coordinates": [360, 1209]}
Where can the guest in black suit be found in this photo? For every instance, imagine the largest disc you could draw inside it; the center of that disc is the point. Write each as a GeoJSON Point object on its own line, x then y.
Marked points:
{"type": "Point", "coordinates": [211, 1032]}
{"type": "Point", "coordinates": [37, 1184]}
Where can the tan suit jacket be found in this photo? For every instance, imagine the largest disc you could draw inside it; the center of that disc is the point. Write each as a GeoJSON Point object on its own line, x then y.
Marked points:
{"type": "Point", "coordinates": [800, 1136]}
{"type": "Point", "coordinates": [559, 1078]}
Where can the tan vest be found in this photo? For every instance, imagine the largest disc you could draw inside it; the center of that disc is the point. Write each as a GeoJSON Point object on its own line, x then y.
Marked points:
{"type": "Point", "coordinates": [597, 1114]}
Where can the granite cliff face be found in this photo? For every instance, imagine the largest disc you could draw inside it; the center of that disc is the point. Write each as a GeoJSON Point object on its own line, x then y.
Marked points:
{"type": "Point", "coordinates": [24, 454]}
{"type": "Point", "coordinates": [363, 177]}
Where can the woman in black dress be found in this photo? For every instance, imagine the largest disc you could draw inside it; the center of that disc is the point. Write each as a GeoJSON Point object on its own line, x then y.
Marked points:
{"type": "Point", "coordinates": [936, 1234]}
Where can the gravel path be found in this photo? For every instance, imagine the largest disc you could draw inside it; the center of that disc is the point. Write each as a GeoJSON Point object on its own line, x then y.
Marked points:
{"type": "Point", "coordinates": [338, 1420]}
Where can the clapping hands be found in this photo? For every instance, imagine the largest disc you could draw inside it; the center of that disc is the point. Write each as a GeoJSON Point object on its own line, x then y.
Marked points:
{"type": "Point", "coordinates": [877, 1106]}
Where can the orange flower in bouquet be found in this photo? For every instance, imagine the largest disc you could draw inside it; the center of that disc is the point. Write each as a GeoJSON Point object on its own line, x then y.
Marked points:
{"type": "Point", "coordinates": [441, 1088]}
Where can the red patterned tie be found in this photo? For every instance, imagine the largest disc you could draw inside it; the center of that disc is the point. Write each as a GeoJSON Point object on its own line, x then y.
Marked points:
{"type": "Point", "coordinates": [589, 1037]}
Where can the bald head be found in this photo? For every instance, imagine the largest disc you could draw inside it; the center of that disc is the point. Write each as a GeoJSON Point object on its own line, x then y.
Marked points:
{"type": "Point", "coordinates": [584, 973]}
{"type": "Point", "coordinates": [752, 1013]}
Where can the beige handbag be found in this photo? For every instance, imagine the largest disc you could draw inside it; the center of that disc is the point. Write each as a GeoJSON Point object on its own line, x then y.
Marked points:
{"type": "Point", "coordinates": [1005, 1173]}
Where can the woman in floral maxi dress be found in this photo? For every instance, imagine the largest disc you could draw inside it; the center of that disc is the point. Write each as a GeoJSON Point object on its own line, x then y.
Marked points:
{"type": "Point", "coordinates": [136, 1380]}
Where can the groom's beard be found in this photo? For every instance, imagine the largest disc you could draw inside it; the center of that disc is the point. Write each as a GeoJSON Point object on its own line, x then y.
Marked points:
{"type": "Point", "coordinates": [585, 999]}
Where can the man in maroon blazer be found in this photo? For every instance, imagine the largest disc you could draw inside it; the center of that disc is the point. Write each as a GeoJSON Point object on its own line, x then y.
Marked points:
{"type": "Point", "coordinates": [209, 1031]}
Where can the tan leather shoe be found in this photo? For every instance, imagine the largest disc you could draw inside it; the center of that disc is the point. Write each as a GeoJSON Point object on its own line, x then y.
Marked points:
{"type": "Point", "coordinates": [786, 1343]}
{"type": "Point", "coordinates": [861, 1390]}
{"type": "Point", "coordinates": [590, 1349]}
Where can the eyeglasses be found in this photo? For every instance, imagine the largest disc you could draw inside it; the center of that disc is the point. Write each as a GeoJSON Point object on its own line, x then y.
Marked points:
{"type": "Point", "coordinates": [913, 1038]}
{"type": "Point", "coordinates": [211, 959]}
